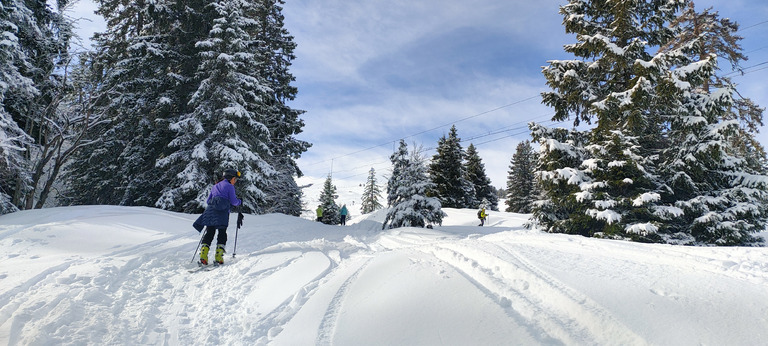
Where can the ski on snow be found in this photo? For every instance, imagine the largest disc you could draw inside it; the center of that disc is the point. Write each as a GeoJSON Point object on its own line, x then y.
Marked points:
{"type": "Point", "coordinates": [206, 268]}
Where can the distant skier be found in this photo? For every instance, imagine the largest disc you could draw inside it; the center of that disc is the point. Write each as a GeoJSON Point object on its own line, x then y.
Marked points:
{"type": "Point", "coordinates": [343, 214]}
{"type": "Point", "coordinates": [216, 216]}
{"type": "Point", "coordinates": [319, 212]}
{"type": "Point", "coordinates": [481, 215]}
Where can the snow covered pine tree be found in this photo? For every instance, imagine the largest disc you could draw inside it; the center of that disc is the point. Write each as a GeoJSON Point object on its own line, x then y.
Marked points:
{"type": "Point", "coordinates": [407, 189]}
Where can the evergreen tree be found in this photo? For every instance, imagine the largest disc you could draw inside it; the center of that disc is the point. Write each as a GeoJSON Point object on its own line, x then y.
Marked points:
{"type": "Point", "coordinates": [448, 173]}
{"type": "Point", "coordinates": [282, 193]}
{"type": "Point", "coordinates": [143, 64]}
{"type": "Point", "coordinates": [371, 194]}
{"type": "Point", "coordinates": [658, 165]}
{"type": "Point", "coordinates": [13, 139]}
{"type": "Point", "coordinates": [482, 184]}
{"type": "Point", "coordinates": [619, 187]}
{"type": "Point", "coordinates": [521, 181]}
{"type": "Point", "coordinates": [559, 175]}
{"type": "Point", "coordinates": [410, 206]}
{"type": "Point", "coordinates": [283, 122]}
{"type": "Point", "coordinates": [225, 127]}
{"type": "Point", "coordinates": [717, 195]}
{"type": "Point", "coordinates": [34, 46]}
{"type": "Point", "coordinates": [328, 202]}
{"type": "Point", "coordinates": [400, 162]}
{"type": "Point", "coordinates": [700, 34]}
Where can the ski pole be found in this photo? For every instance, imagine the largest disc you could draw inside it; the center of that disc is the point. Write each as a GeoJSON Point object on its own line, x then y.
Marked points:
{"type": "Point", "coordinates": [198, 246]}
{"type": "Point", "coordinates": [237, 230]}
{"type": "Point", "coordinates": [234, 251]}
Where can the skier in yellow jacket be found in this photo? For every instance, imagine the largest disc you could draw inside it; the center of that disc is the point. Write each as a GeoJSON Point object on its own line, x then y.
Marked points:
{"type": "Point", "coordinates": [481, 215]}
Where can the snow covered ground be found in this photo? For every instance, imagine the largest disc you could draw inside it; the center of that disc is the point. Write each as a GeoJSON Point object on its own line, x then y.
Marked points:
{"type": "Point", "coordinates": [119, 276]}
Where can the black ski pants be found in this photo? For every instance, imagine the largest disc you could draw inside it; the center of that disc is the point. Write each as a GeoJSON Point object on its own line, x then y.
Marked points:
{"type": "Point", "coordinates": [210, 231]}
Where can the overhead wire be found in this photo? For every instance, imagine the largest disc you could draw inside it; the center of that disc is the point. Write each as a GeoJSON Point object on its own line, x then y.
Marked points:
{"type": "Point", "coordinates": [743, 71]}
{"type": "Point", "coordinates": [464, 140]}
{"type": "Point", "coordinates": [753, 25]}
{"type": "Point", "coordinates": [423, 132]}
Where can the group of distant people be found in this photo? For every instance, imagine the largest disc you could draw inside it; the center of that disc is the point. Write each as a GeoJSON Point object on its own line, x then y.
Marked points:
{"type": "Point", "coordinates": [342, 214]}
{"type": "Point", "coordinates": [481, 214]}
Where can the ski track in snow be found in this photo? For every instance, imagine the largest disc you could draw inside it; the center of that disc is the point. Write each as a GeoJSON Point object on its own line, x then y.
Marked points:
{"type": "Point", "coordinates": [556, 313]}
{"type": "Point", "coordinates": [306, 287]}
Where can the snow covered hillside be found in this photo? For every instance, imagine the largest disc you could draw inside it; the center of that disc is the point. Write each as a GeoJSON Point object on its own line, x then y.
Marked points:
{"type": "Point", "coordinates": [120, 276]}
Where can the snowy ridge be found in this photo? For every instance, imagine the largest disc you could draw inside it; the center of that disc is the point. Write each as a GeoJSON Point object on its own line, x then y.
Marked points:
{"type": "Point", "coordinates": [118, 275]}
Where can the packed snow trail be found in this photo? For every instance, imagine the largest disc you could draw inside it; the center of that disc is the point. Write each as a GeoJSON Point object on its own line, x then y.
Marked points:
{"type": "Point", "coordinates": [117, 275]}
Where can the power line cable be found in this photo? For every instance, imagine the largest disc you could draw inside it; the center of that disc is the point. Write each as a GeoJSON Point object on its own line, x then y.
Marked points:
{"type": "Point", "coordinates": [743, 71]}
{"type": "Point", "coordinates": [427, 150]}
{"type": "Point", "coordinates": [760, 69]}
{"type": "Point", "coordinates": [753, 25]}
{"type": "Point", "coordinates": [425, 131]}
{"type": "Point", "coordinates": [757, 49]}
{"type": "Point", "coordinates": [473, 116]}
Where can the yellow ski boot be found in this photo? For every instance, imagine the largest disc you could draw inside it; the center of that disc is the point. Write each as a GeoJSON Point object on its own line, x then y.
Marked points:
{"type": "Point", "coordinates": [219, 255]}
{"type": "Point", "coordinates": [204, 255]}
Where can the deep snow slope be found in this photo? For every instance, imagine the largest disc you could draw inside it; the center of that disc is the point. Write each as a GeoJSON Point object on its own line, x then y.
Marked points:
{"type": "Point", "coordinates": [120, 276]}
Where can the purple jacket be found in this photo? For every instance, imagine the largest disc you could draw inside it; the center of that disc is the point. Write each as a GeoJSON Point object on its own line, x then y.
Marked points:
{"type": "Point", "coordinates": [226, 190]}
{"type": "Point", "coordinates": [221, 199]}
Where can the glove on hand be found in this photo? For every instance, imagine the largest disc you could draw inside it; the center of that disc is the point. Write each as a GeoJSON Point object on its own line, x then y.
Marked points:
{"type": "Point", "coordinates": [240, 218]}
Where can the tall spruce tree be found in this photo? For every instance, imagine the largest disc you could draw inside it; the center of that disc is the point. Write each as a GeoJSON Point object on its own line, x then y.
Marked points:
{"type": "Point", "coordinates": [521, 181]}
{"type": "Point", "coordinates": [619, 188]}
{"type": "Point", "coordinates": [143, 63]}
{"type": "Point", "coordinates": [560, 210]}
{"type": "Point", "coordinates": [34, 48]}
{"type": "Point", "coordinates": [657, 164]}
{"type": "Point", "coordinates": [225, 127]}
{"type": "Point", "coordinates": [718, 195]}
{"type": "Point", "coordinates": [400, 163]}
{"type": "Point", "coordinates": [482, 184]}
{"type": "Point", "coordinates": [449, 175]}
{"type": "Point", "coordinates": [282, 193]}
{"type": "Point", "coordinates": [371, 194]}
{"type": "Point", "coordinates": [13, 139]}
{"type": "Point", "coordinates": [328, 202]}
{"type": "Point", "coordinates": [702, 33]}
{"type": "Point", "coordinates": [409, 204]}
{"type": "Point", "coordinates": [718, 199]}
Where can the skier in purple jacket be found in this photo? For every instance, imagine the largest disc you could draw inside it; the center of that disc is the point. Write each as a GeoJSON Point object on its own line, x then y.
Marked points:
{"type": "Point", "coordinates": [216, 216]}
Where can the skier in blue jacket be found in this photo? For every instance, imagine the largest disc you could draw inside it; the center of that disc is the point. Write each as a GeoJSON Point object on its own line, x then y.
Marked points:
{"type": "Point", "coordinates": [216, 216]}
{"type": "Point", "coordinates": [343, 212]}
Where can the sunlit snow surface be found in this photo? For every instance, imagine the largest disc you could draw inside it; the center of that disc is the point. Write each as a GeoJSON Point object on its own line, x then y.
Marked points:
{"type": "Point", "coordinates": [119, 276]}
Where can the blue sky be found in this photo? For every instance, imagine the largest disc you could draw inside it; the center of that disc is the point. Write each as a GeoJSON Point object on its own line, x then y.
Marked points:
{"type": "Point", "coordinates": [372, 72]}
